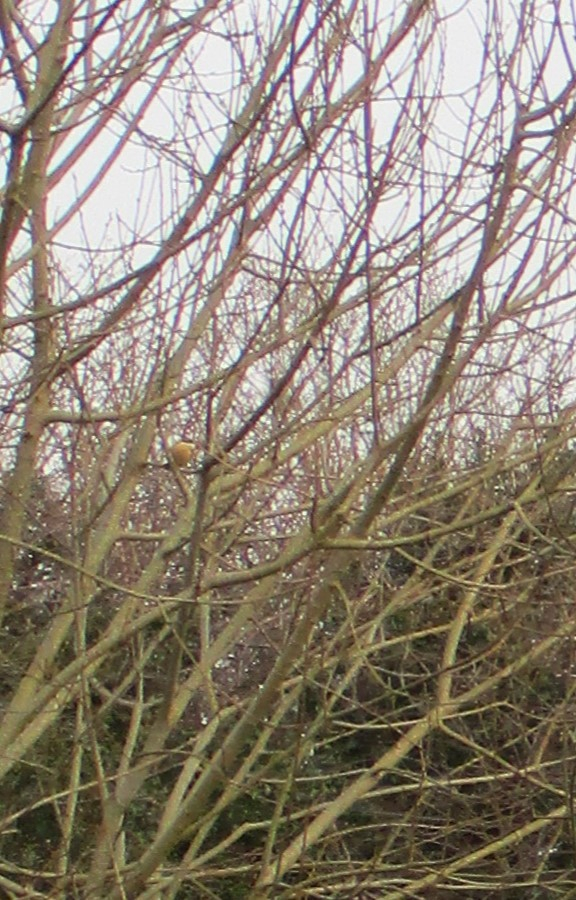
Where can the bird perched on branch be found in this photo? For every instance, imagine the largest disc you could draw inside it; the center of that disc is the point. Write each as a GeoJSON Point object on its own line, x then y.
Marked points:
{"type": "Point", "coordinates": [181, 453]}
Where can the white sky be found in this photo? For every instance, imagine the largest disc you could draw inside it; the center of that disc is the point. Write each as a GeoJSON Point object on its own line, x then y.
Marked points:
{"type": "Point", "coordinates": [160, 171]}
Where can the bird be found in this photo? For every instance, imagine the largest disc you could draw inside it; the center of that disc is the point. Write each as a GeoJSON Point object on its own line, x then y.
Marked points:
{"type": "Point", "coordinates": [181, 453]}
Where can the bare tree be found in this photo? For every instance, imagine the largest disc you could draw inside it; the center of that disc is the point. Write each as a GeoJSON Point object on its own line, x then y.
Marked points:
{"type": "Point", "coordinates": [325, 648]}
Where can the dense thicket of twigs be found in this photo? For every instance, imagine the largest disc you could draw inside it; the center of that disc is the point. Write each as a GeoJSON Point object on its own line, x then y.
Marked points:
{"type": "Point", "coordinates": [333, 655]}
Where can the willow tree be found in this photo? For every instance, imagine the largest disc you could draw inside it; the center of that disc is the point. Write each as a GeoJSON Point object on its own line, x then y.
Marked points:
{"type": "Point", "coordinates": [331, 252]}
